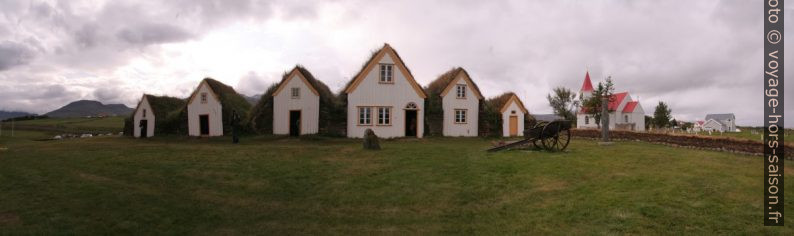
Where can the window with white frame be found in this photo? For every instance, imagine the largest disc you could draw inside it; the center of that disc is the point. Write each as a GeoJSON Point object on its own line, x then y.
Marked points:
{"type": "Point", "coordinates": [460, 116]}
{"type": "Point", "coordinates": [296, 92]}
{"type": "Point", "coordinates": [364, 115]}
{"type": "Point", "coordinates": [386, 73]}
{"type": "Point", "coordinates": [626, 118]}
{"type": "Point", "coordinates": [203, 97]}
{"type": "Point", "coordinates": [461, 90]}
{"type": "Point", "coordinates": [587, 120]}
{"type": "Point", "coordinates": [144, 113]}
{"type": "Point", "coordinates": [384, 115]}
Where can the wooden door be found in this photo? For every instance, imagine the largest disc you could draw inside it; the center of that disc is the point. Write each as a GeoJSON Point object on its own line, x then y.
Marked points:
{"type": "Point", "coordinates": [513, 125]}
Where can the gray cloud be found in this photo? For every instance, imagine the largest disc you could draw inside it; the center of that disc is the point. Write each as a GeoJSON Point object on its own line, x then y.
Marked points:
{"type": "Point", "coordinates": [14, 54]}
{"type": "Point", "coordinates": [147, 34]}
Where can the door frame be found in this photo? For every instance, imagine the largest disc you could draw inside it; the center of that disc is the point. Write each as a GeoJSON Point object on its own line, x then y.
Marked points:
{"type": "Point", "coordinates": [143, 133]}
{"type": "Point", "coordinates": [209, 129]}
{"type": "Point", "coordinates": [509, 126]}
{"type": "Point", "coordinates": [300, 122]}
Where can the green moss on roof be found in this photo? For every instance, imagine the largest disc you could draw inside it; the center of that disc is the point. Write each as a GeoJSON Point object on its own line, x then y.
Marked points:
{"type": "Point", "coordinates": [371, 58]}
{"type": "Point", "coordinates": [439, 84]}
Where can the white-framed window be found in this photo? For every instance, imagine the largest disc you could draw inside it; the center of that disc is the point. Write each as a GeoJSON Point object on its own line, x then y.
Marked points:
{"type": "Point", "coordinates": [144, 113]}
{"type": "Point", "coordinates": [460, 116]}
{"type": "Point", "coordinates": [203, 97]}
{"type": "Point", "coordinates": [386, 73]}
{"type": "Point", "coordinates": [626, 118]}
{"type": "Point", "coordinates": [296, 92]}
{"type": "Point", "coordinates": [461, 90]}
{"type": "Point", "coordinates": [384, 115]}
{"type": "Point", "coordinates": [587, 120]}
{"type": "Point", "coordinates": [365, 115]}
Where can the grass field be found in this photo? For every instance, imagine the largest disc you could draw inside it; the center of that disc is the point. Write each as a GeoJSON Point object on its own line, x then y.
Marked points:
{"type": "Point", "coordinates": [266, 185]}
{"type": "Point", "coordinates": [76, 125]}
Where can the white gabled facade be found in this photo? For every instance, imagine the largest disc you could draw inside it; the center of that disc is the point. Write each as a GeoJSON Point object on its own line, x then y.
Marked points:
{"type": "Point", "coordinates": [143, 115]}
{"type": "Point", "coordinates": [307, 102]}
{"type": "Point", "coordinates": [461, 109]}
{"type": "Point", "coordinates": [384, 106]}
{"type": "Point", "coordinates": [513, 112]}
{"type": "Point", "coordinates": [204, 102]}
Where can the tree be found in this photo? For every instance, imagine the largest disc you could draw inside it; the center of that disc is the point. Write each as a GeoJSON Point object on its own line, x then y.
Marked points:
{"type": "Point", "coordinates": [563, 102]}
{"type": "Point", "coordinates": [592, 105]}
{"type": "Point", "coordinates": [661, 116]}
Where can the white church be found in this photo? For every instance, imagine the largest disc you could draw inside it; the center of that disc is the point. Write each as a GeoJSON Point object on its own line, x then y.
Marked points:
{"type": "Point", "coordinates": [624, 113]}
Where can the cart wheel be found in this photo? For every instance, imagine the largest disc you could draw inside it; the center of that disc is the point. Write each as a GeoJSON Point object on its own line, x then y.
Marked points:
{"type": "Point", "coordinates": [537, 143]}
{"type": "Point", "coordinates": [552, 141]}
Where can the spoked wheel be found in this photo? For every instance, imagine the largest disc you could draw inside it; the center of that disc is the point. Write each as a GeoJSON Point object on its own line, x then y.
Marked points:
{"type": "Point", "coordinates": [537, 143]}
{"type": "Point", "coordinates": [554, 139]}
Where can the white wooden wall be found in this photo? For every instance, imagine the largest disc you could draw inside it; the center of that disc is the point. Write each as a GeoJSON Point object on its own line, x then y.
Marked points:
{"type": "Point", "coordinates": [506, 119]}
{"type": "Point", "coordinates": [138, 116]}
{"type": "Point", "coordinates": [450, 102]}
{"type": "Point", "coordinates": [308, 103]}
{"type": "Point", "coordinates": [211, 108]}
{"type": "Point", "coordinates": [372, 93]}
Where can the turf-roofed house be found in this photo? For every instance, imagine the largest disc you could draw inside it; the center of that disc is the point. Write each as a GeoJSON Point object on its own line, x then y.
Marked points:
{"type": "Point", "coordinates": [512, 112]}
{"type": "Point", "coordinates": [453, 104]}
{"type": "Point", "coordinates": [297, 103]}
{"type": "Point", "coordinates": [384, 97]}
{"type": "Point", "coordinates": [211, 106]}
{"type": "Point", "coordinates": [150, 116]}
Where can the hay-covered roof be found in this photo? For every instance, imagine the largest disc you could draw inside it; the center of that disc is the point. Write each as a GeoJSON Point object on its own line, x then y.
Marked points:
{"type": "Point", "coordinates": [228, 97]}
{"type": "Point", "coordinates": [443, 81]}
{"type": "Point", "coordinates": [163, 105]}
{"type": "Point", "coordinates": [503, 99]}
{"type": "Point", "coordinates": [377, 55]}
{"type": "Point", "coordinates": [315, 84]}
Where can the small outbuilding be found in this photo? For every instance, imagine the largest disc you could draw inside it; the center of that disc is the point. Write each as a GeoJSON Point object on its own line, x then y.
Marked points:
{"type": "Point", "coordinates": [512, 113]}
{"type": "Point", "coordinates": [297, 103]}
{"type": "Point", "coordinates": [150, 116]}
{"type": "Point", "coordinates": [210, 108]}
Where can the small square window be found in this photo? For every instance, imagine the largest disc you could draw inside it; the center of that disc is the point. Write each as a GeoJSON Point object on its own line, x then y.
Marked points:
{"type": "Point", "coordinates": [461, 90]}
{"type": "Point", "coordinates": [364, 115]}
{"type": "Point", "coordinates": [203, 97]}
{"type": "Point", "coordinates": [296, 92]}
{"type": "Point", "coordinates": [386, 73]}
{"type": "Point", "coordinates": [384, 115]}
{"type": "Point", "coordinates": [460, 116]}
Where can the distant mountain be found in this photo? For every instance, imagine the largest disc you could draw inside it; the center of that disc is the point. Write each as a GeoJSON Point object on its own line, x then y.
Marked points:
{"type": "Point", "coordinates": [252, 99]}
{"type": "Point", "coordinates": [12, 114]}
{"type": "Point", "coordinates": [85, 108]}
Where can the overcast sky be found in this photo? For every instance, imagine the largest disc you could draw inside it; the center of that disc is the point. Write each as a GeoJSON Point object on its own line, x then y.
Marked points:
{"type": "Point", "coordinates": [698, 56]}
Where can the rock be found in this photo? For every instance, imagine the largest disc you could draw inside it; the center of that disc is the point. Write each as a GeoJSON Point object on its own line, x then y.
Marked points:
{"type": "Point", "coordinates": [57, 137]}
{"type": "Point", "coordinates": [371, 140]}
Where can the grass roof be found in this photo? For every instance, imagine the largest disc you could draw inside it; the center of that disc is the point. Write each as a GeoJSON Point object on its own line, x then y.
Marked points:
{"type": "Point", "coordinates": [443, 81]}
{"type": "Point", "coordinates": [371, 58]}
{"type": "Point", "coordinates": [162, 105]}
{"type": "Point", "coordinates": [499, 101]}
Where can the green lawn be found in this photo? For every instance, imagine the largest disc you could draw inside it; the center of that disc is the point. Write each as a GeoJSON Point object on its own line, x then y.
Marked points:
{"type": "Point", "coordinates": [118, 185]}
{"type": "Point", "coordinates": [102, 124]}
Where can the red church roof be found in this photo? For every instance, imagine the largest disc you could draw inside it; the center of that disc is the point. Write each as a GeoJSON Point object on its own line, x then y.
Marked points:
{"type": "Point", "coordinates": [630, 107]}
{"type": "Point", "coordinates": [587, 86]}
{"type": "Point", "coordinates": [614, 102]}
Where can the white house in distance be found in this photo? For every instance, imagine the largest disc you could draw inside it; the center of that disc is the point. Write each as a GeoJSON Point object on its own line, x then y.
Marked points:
{"type": "Point", "coordinates": [384, 97]}
{"type": "Point", "coordinates": [460, 102]}
{"type": "Point", "coordinates": [151, 111]}
{"type": "Point", "coordinates": [624, 113]}
{"type": "Point", "coordinates": [143, 119]}
{"type": "Point", "coordinates": [296, 104]}
{"type": "Point", "coordinates": [204, 109]}
{"type": "Point", "coordinates": [513, 113]}
{"type": "Point", "coordinates": [720, 122]}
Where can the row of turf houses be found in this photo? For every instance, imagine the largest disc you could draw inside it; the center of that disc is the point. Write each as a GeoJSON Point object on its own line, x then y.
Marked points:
{"type": "Point", "coordinates": [382, 96]}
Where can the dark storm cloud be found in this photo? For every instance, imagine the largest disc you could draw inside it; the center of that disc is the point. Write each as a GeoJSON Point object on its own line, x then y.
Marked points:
{"type": "Point", "coordinates": [14, 54]}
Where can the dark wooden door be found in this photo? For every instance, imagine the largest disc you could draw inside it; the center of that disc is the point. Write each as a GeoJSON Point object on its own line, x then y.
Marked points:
{"type": "Point", "coordinates": [144, 126]}
{"type": "Point", "coordinates": [410, 123]}
{"type": "Point", "coordinates": [294, 123]}
{"type": "Point", "coordinates": [204, 124]}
